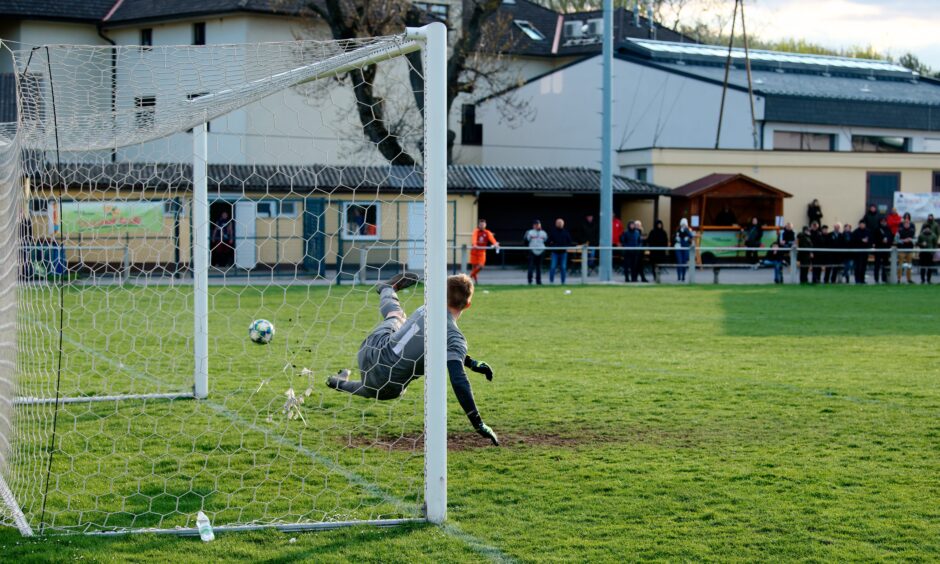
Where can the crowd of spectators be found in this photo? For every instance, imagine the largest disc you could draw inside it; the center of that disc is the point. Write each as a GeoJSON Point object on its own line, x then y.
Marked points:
{"type": "Point", "coordinates": [841, 254]}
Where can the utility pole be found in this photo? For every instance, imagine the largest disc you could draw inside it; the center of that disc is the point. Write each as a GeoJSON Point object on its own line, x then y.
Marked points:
{"type": "Point", "coordinates": [607, 176]}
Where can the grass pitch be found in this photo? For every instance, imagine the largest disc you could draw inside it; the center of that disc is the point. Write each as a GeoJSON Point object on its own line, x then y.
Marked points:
{"type": "Point", "coordinates": [737, 423]}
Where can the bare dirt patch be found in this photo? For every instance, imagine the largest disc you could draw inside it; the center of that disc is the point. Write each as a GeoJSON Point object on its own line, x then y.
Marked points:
{"type": "Point", "coordinates": [468, 440]}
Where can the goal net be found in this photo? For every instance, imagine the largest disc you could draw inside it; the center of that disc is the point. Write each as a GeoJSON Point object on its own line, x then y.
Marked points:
{"type": "Point", "coordinates": [159, 199]}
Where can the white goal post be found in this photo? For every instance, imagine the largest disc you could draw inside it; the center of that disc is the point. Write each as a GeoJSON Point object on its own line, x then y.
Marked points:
{"type": "Point", "coordinates": [97, 346]}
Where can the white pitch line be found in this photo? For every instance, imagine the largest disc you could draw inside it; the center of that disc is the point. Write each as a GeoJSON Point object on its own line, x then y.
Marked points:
{"type": "Point", "coordinates": [451, 529]}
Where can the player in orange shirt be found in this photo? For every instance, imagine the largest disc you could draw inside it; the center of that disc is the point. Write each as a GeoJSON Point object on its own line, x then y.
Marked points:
{"type": "Point", "coordinates": [482, 239]}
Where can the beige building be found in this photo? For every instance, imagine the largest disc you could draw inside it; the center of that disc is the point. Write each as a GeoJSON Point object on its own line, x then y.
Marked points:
{"type": "Point", "coordinates": [843, 182]}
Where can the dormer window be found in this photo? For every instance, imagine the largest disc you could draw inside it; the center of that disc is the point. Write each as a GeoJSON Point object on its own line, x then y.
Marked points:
{"type": "Point", "coordinates": [595, 26]}
{"type": "Point", "coordinates": [529, 30]}
{"type": "Point", "coordinates": [573, 28]}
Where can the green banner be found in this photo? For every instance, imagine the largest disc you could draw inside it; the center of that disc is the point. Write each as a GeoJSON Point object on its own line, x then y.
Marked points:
{"type": "Point", "coordinates": [112, 217]}
{"type": "Point", "coordinates": [732, 238]}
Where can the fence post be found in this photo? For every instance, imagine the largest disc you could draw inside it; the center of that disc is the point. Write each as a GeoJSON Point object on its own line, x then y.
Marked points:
{"type": "Point", "coordinates": [894, 266]}
{"type": "Point", "coordinates": [126, 271]}
{"type": "Point", "coordinates": [584, 264]}
{"type": "Point", "coordinates": [463, 259]}
{"type": "Point", "coordinates": [656, 273]}
{"type": "Point", "coordinates": [692, 264]}
{"type": "Point", "coordinates": [363, 260]}
{"type": "Point", "coordinates": [794, 277]}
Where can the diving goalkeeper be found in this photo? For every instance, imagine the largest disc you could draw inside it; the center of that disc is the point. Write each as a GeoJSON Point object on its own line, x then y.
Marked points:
{"type": "Point", "coordinates": [393, 354]}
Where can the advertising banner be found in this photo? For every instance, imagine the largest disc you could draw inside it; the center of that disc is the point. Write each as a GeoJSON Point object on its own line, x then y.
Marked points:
{"type": "Point", "coordinates": [112, 217]}
{"type": "Point", "coordinates": [918, 205]}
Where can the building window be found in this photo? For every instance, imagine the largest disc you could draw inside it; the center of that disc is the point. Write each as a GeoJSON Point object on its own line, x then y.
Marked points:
{"type": "Point", "coordinates": [881, 189]}
{"type": "Point", "coordinates": [936, 182]}
{"type": "Point", "coordinates": [931, 145]}
{"type": "Point", "coordinates": [879, 144]}
{"type": "Point", "coordinates": [595, 26]}
{"type": "Point", "coordinates": [641, 174]}
{"type": "Point", "coordinates": [145, 108]}
{"type": "Point", "coordinates": [146, 38]}
{"type": "Point", "coordinates": [361, 221]}
{"type": "Point", "coordinates": [530, 30]}
{"type": "Point", "coordinates": [275, 208]}
{"type": "Point", "coordinates": [573, 28]}
{"type": "Point", "coordinates": [802, 141]}
{"type": "Point", "coordinates": [440, 11]}
{"type": "Point", "coordinates": [199, 33]}
{"type": "Point", "coordinates": [172, 208]}
{"type": "Point", "coordinates": [38, 206]}
{"type": "Point", "coordinates": [471, 132]}
{"type": "Point", "coordinates": [208, 123]}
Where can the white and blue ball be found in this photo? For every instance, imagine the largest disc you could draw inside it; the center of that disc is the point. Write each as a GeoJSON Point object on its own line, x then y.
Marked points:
{"type": "Point", "coordinates": [261, 331]}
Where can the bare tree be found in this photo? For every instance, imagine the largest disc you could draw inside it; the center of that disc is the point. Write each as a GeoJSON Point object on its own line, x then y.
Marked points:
{"type": "Point", "coordinates": [476, 63]}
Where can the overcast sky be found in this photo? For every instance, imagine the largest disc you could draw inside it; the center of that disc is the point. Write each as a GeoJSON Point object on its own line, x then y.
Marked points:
{"type": "Point", "coordinates": [892, 26]}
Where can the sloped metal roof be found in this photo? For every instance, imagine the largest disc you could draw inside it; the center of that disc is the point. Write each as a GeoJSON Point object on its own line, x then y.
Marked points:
{"type": "Point", "coordinates": [61, 10]}
{"type": "Point", "coordinates": [319, 179]}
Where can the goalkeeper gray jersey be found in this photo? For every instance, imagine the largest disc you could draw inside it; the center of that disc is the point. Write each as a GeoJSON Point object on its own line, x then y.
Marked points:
{"type": "Point", "coordinates": [404, 353]}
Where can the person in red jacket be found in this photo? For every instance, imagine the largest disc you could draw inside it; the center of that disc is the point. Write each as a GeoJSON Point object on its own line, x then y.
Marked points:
{"type": "Point", "coordinates": [894, 221]}
{"type": "Point", "coordinates": [483, 238]}
{"type": "Point", "coordinates": [617, 231]}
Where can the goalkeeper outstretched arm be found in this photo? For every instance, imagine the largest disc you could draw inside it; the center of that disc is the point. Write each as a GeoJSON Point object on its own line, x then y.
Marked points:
{"type": "Point", "coordinates": [461, 385]}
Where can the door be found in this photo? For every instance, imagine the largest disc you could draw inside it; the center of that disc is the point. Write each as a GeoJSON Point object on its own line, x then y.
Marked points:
{"type": "Point", "coordinates": [415, 235]}
{"type": "Point", "coordinates": [314, 239]}
{"type": "Point", "coordinates": [881, 189]}
{"type": "Point", "coordinates": [246, 248]}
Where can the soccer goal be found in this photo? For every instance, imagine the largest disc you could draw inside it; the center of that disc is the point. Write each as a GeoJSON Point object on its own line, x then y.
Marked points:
{"type": "Point", "coordinates": [159, 199]}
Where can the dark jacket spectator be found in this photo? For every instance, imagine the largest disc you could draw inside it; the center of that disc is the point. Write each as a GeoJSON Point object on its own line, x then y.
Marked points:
{"type": "Point", "coordinates": [559, 237]}
{"type": "Point", "coordinates": [872, 217]}
{"type": "Point", "coordinates": [883, 238]}
{"type": "Point", "coordinates": [907, 234]}
{"type": "Point", "coordinates": [804, 241]}
{"type": "Point", "coordinates": [787, 236]}
{"type": "Point", "coordinates": [631, 237]}
{"type": "Point", "coordinates": [927, 241]}
{"type": "Point", "coordinates": [588, 232]}
{"type": "Point", "coordinates": [814, 212]}
{"type": "Point", "coordinates": [657, 238]}
{"type": "Point", "coordinates": [861, 239]}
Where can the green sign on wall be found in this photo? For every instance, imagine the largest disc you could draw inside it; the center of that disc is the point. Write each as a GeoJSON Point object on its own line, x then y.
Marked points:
{"type": "Point", "coordinates": [112, 217]}
{"type": "Point", "coordinates": [731, 238]}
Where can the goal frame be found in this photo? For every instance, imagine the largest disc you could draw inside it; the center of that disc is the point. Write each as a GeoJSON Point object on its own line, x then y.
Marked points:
{"type": "Point", "coordinates": [432, 40]}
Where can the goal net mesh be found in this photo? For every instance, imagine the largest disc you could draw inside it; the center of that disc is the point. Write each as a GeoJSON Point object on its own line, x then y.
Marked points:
{"type": "Point", "coordinates": [315, 192]}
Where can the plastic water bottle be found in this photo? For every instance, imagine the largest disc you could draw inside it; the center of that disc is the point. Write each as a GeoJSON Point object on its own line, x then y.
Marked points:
{"type": "Point", "coordinates": [205, 528]}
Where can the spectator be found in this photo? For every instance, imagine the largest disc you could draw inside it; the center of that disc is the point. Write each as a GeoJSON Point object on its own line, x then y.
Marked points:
{"type": "Point", "coordinates": [657, 238]}
{"type": "Point", "coordinates": [588, 233]}
{"type": "Point", "coordinates": [814, 212]}
{"type": "Point", "coordinates": [776, 258]}
{"type": "Point", "coordinates": [683, 241]}
{"type": "Point", "coordinates": [894, 221]}
{"type": "Point", "coordinates": [617, 231]}
{"type": "Point", "coordinates": [804, 242]}
{"type": "Point", "coordinates": [834, 257]}
{"type": "Point", "coordinates": [931, 224]}
{"type": "Point", "coordinates": [536, 238]}
{"type": "Point", "coordinates": [631, 239]}
{"type": "Point", "coordinates": [787, 236]}
{"type": "Point", "coordinates": [861, 239]}
{"type": "Point", "coordinates": [641, 258]}
{"type": "Point", "coordinates": [905, 239]}
{"type": "Point", "coordinates": [848, 259]}
{"type": "Point", "coordinates": [882, 240]}
{"type": "Point", "coordinates": [482, 239]}
{"type": "Point", "coordinates": [559, 240]}
{"type": "Point", "coordinates": [725, 217]}
{"type": "Point", "coordinates": [223, 241]}
{"type": "Point", "coordinates": [926, 241]}
{"type": "Point", "coordinates": [752, 240]}
{"type": "Point", "coordinates": [816, 238]}
{"type": "Point", "coordinates": [872, 218]}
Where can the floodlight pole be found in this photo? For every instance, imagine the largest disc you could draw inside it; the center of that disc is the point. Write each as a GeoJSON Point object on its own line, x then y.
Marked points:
{"type": "Point", "coordinates": [434, 37]}
{"type": "Point", "coordinates": [607, 192]}
{"type": "Point", "coordinates": [201, 261]}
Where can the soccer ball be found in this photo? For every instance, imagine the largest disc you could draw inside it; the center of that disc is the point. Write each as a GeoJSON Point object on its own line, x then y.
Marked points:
{"type": "Point", "coordinates": [261, 331]}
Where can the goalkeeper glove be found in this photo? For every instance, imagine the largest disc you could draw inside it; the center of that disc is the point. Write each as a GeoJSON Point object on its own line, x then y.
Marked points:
{"type": "Point", "coordinates": [479, 367]}
{"type": "Point", "coordinates": [484, 430]}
